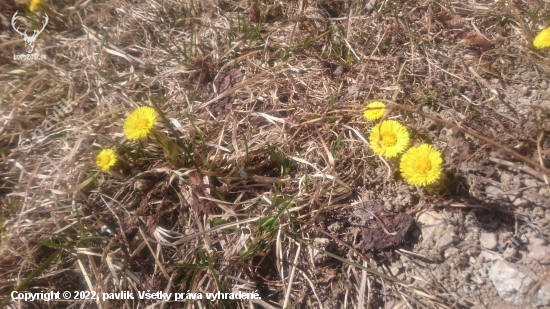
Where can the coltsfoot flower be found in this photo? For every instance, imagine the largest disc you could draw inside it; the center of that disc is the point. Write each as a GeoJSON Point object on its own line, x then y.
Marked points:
{"type": "Point", "coordinates": [33, 5]}
{"type": "Point", "coordinates": [421, 166]}
{"type": "Point", "coordinates": [542, 39]}
{"type": "Point", "coordinates": [106, 159]}
{"type": "Point", "coordinates": [140, 122]}
{"type": "Point", "coordinates": [377, 112]}
{"type": "Point", "coordinates": [389, 138]}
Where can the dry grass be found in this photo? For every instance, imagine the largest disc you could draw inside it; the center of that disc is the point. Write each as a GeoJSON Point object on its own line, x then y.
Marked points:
{"type": "Point", "coordinates": [272, 135]}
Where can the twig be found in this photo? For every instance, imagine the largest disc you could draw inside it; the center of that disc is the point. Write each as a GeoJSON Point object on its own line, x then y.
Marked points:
{"type": "Point", "coordinates": [362, 287]}
{"type": "Point", "coordinates": [540, 153]}
{"type": "Point", "coordinates": [483, 81]}
{"type": "Point", "coordinates": [533, 289]}
{"type": "Point", "coordinates": [373, 51]}
{"type": "Point", "coordinates": [526, 169]}
{"type": "Point", "coordinates": [400, 251]}
{"type": "Point", "coordinates": [312, 288]}
{"type": "Point", "coordinates": [154, 255]}
{"type": "Point", "coordinates": [525, 29]}
{"type": "Point", "coordinates": [291, 278]}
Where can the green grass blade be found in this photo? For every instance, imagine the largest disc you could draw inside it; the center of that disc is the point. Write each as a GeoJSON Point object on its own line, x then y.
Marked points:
{"type": "Point", "coordinates": [281, 211]}
{"type": "Point", "coordinates": [167, 123]}
{"type": "Point", "coordinates": [51, 244]}
{"type": "Point", "coordinates": [275, 155]}
{"type": "Point", "coordinates": [32, 275]}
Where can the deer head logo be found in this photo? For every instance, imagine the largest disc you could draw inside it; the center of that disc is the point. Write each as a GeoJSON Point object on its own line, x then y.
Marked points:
{"type": "Point", "coordinates": [29, 40]}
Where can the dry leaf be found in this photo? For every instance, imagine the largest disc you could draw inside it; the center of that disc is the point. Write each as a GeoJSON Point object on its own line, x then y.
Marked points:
{"type": "Point", "coordinates": [478, 42]}
{"type": "Point", "coordinates": [453, 22]}
{"type": "Point", "coordinates": [255, 12]}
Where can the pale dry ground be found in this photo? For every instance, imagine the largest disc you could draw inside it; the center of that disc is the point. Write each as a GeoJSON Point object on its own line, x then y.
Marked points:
{"type": "Point", "coordinates": [272, 137]}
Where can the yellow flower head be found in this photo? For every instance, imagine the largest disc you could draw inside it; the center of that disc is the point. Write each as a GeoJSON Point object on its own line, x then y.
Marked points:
{"type": "Point", "coordinates": [140, 122]}
{"type": "Point", "coordinates": [542, 40]}
{"type": "Point", "coordinates": [33, 5]}
{"type": "Point", "coordinates": [106, 159]}
{"type": "Point", "coordinates": [421, 166]}
{"type": "Point", "coordinates": [389, 138]}
{"type": "Point", "coordinates": [377, 112]}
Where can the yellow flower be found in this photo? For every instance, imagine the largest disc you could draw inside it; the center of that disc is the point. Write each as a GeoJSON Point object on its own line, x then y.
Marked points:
{"type": "Point", "coordinates": [33, 5]}
{"type": "Point", "coordinates": [389, 138]}
{"type": "Point", "coordinates": [106, 159]}
{"type": "Point", "coordinates": [421, 166]}
{"type": "Point", "coordinates": [543, 39]}
{"type": "Point", "coordinates": [140, 122]}
{"type": "Point", "coordinates": [377, 112]}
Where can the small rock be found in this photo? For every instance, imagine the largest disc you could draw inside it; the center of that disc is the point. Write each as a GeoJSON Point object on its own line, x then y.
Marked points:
{"type": "Point", "coordinates": [488, 241]}
{"type": "Point", "coordinates": [335, 227]}
{"type": "Point", "coordinates": [535, 241]}
{"type": "Point", "coordinates": [493, 192]}
{"type": "Point", "coordinates": [322, 243]}
{"type": "Point", "coordinates": [542, 297]}
{"type": "Point", "coordinates": [537, 211]}
{"type": "Point", "coordinates": [445, 241]}
{"type": "Point", "coordinates": [491, 255]}
{"type": "Point", "coordinates": [520, 202]}
{"type": "Point", "coordinates": [395, 269]}
{"type": "Point", "coordinates": [143, 185]}
{"type": "Point", "coordinates": [545, 104]}
{"type": "Point", "coordinates": [511, 283]}
{"type": "Point", "coordinates": [448, 213]}
{"type": "Point", "coordinates": [430, 223]}
{"type": "Point", "coordinates": [524, 101]}
{"type": "Point", "coordinates": [541, 254]}
{"type": "Point", "coordinates": [452, 251]}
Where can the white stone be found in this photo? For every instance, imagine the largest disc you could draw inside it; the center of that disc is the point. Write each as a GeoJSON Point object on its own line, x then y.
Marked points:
{"type": "Point", "coordinates": [542, 297]}
{"type": "Point", "coordinates": [322, 243]}
{"type": "Point", "coordinates": [511, 283]}
{"type": "Point", "coordinates": [493, 191]}
{"type": "Point", "coordinates": [541, 254]}
{"type": "Point", "coordinates": [536, 241]}
{"type": "Point", "coordinates": [395, 269]}
{"type": "Point", "coordinates": [430, 223]}
{"type": "Point", "coordinates": [445, 241]}
{"type": "Point", "coordinates": [520, 202]}
{"type": "Point", "coordinates": [488, 240]}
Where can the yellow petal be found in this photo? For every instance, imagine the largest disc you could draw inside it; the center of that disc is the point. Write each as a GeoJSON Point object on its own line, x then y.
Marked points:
{"type": "Point", "coordinates": [542, 40]}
